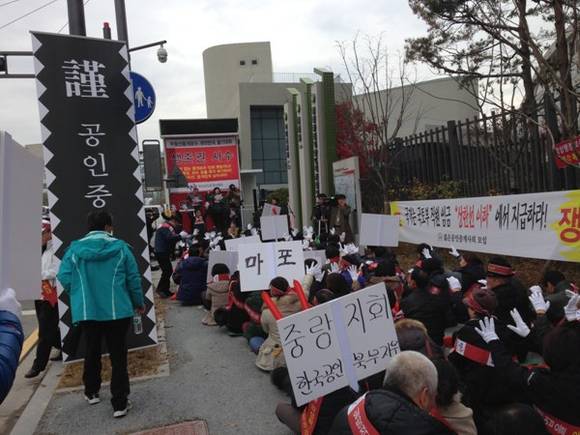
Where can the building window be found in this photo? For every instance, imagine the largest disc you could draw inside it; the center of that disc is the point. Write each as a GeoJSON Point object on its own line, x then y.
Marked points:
{"type": "Point", "coordinates": [254, 61]}
{"type": "Point", "coordinates": [242, 62]}
{"type": "Point", "coordinates": [269, 144]}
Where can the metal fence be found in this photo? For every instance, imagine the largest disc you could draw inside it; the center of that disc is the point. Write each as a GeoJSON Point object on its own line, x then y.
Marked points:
{"type": "Point", "coordinates": [502, 153]}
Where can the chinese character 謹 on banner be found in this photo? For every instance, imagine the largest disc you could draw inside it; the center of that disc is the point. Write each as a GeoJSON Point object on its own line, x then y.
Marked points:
{"type": "Point", "coordinates": [90, 151]}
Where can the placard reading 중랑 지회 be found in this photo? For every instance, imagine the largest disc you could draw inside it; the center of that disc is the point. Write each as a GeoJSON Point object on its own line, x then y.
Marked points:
{"type": "Point", "coordinates": [379, 230]}
{"type": "Point", "coordinates": [259, 263]}
{"type": "Point", "coordinates": [336, 344]}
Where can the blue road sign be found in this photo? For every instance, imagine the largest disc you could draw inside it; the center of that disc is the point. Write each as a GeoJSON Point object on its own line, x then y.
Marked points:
{"type": "Point", "coordinates": [144, 97]}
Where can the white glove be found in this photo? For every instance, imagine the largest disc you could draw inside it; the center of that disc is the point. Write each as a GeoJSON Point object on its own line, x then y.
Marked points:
{"type": "Point", "coordinates": [9, 303]}
{"type": "Point", "coordinates": [454, 284]}
{"type": "Point", "coordinates": [254, 231]}
{"type": "Point", "coordinates": [249, 227]}
{"type": "Point", "coordinates": [195, 232]}
{"type": "Point", "coordinates": [571, 310]}
{"type": "Point", "coordinates": [184, 234]}
{"type": "Point", "coordinates": [535, 289]}
{"type": "Point", "coordinates": [540, 305]}
{"type": "Point", "coordinates": [334, 268]}
{"type": "Point", "coordinates": [315, 270]}
{"type": "Point", "coordinates": [305, 244]}
{"type": "Point", "coordinates": [353, 272]}
{"type": "Point", "coordinates": [287, 237]}
{"type": "Point", "coordinates": [426, 253]}
{"type": "Point", "coordinates": [483, 283]}
{"type": "Point", "coordinates": [487, 330]}
{"type": "Point", "coordinates": [294, 232]}
{"type": "Point", "coordinates": [521, 328]}
{"type": "Point", "coordinates": [332, 231]}
{"type": "Point", "coordinates": [454, 252]}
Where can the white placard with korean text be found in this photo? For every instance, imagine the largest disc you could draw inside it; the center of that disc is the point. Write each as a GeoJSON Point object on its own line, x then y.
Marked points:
{"type": "Point", "coordinates": [271, 210]}
{"type": "Point", "coordinates": [259, 263]}
{"type": "Point", "coordinates": [537, 225]}
{"type": "Point", "coordinates": [229, 258]}
{"type": "Point", "coordinates": [318, 255]}
{"type": "Point", "coordinates": [274, 227]}
{"type": "Point", "coordinates": [233, 244]}
{"type": "Point", "coordinates": [338, 343]}
{"type": "Point", "coordinates": [379, 230]}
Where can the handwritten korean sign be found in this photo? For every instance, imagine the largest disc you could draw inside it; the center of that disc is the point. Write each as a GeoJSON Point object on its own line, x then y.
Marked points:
{"type": "Point", "coordinates": [274, 227]}
{"type": "Point", "coordinates": [234, 244]}
{"type": "Point", "coordinates": [259, 263]}
{"type": "Point", "coordinates": [538, 225]}
{"type": "Point", "coordinates": [333, 345]}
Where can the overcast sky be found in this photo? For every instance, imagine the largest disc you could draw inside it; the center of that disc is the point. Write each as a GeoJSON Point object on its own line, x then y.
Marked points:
{"type": "Point", "coordinates": [303, 34]}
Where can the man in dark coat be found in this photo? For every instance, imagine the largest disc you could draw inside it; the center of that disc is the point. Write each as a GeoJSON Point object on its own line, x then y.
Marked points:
{"type": "Point", "coordinates": [192, 277]}
{"type": "Point", "coordinates": [510, 293]}
{"type": "Point", "coordinates": [339, 218]}
{"type": "Point", "coordinates": [165, 240]}
{"type": "Point", "coordinates": [426, 303]}
{"type": "Point", "coordinates": [402, 407]}
{"type": "Point", "coordinates": [555, 285]}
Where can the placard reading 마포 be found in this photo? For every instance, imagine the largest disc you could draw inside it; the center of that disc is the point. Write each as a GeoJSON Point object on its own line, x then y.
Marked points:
{"type": "Point", "coordinates": [336, 344]}
{"type": "Point", "coordinates": [259, 263]}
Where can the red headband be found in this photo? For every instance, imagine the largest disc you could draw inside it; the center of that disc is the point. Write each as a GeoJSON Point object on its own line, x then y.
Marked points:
{"type": "Point", "coordinates": [470, 301]}
{"type": "Point", "coordinates": [276, 292]}
{"type": "Point", "coordinates": [500, 270]}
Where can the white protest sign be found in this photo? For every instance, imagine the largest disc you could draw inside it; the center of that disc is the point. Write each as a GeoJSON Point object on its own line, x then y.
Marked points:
{"type": "Point", "coordinates": [319, 256]}
{"type": "Point", "coordinates": [336, 344]}
{"type": "Point", "coordinates": [271, 210]}
{"type": "Point", "coordinates": [229, 258]}
{"type": "Point", "coordinates": [259, 263]}
{"type": "Point", "coordinates": [379, 230]}
{"type": "Point", "coordinates": [274, 227]}
{"type": "Point", "coordinates": [20, 218]}
{"type": "Point", "coordinates": [233, 244]}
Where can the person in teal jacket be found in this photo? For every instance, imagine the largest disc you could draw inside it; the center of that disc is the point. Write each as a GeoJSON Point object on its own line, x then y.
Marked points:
{"type": "Point", "coordinates": [100, 275]}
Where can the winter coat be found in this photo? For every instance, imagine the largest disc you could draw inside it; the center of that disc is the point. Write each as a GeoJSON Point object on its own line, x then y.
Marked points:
{"type": "Point", "coordinates": [331, 406]}
{"type": "Point", "coordinates": [485, 387]}
{"type": "Point", "coordinates": [11, 338]}
{"type": "Point", "coordinates": [459, 417]}
{"type": "Point", "coordinates": [165, 239]}
{"type": "Point", "coordinates": [100, 274]}
{"type": "Point", "coordinates": [192, 273]}
{"type": "Point", "coordinates": [428, 308]}
{"type": "Point", "coordinates": [339, 219]}
{"type": "Point", "coordinates": [470, 274]}
{"type": "Point", "coordinates": [556, 393]}
{"type": "Point", "coordinates": [217, 294]}
{"type": "Point", "coordinates": [270, 355]}
{"type": "Point", "coordinates": [393, 413]}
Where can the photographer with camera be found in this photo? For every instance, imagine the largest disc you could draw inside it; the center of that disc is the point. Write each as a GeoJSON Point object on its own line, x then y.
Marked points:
{"type": "Point", "coordinates": [321, 214]}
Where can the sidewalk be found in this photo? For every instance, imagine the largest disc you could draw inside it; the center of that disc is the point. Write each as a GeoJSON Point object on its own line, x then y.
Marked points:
{"type": "Point", "coordinates": [212, 377]}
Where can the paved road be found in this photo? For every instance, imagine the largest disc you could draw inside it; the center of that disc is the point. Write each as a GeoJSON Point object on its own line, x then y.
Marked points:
{"type": "Point", "coordinates": [213, 377]}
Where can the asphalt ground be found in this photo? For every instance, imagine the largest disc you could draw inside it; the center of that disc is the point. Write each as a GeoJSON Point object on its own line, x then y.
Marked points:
{"type": "Point", "coordinates": [212, 377]}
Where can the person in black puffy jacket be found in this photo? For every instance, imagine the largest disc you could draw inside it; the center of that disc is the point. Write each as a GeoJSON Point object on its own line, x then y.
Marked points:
{"type": "Point", "coordinates": [192, 275]}
{"type": "Point", "coordinates": [401, 407]}
{"type": "Point", "coordinates": [427, 304]}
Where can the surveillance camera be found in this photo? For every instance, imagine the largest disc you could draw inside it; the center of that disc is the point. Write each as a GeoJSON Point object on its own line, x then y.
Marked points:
{"type": "Point", "coordinates": [162, 54]}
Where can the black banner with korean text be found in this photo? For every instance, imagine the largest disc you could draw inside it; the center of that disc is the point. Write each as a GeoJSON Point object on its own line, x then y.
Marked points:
{"type": "Point", "coordinates": [91, 155]}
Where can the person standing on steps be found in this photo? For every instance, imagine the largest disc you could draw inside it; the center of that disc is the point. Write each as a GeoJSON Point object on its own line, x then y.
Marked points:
{"type": "Point", "coordinates": [100, 275]}
{"type": "Point", "coordinates": [165, 239]}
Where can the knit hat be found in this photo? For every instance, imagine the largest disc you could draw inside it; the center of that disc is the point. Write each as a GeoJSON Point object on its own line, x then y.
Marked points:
{"type": "Point", "coordinates": [499, 267]}
{"type": "Point", "coordinates": [482, 301]}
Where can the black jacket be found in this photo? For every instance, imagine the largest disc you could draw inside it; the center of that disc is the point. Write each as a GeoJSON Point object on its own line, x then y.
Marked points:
{"type": "Point", "coordinates": [485, 387]}
{"type": "Point", "coordinates": [513, 295]}
{"type": "Point", "coordinates": [470, 274]}
{"type": "Point", "coordinates": [555, 393]}
{"type": "Point", "coordinates": [165, 240]}
{"type": "Point", "coordinates": [392, 413]}
{"type": "Point", "coordinates": [428, 308]}
{"type": "Point", "coordinates": [192, 274]}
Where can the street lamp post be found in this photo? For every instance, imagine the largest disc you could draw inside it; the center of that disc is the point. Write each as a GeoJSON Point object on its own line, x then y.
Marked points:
{"type": "Point", "coordinates": [76, 17]}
